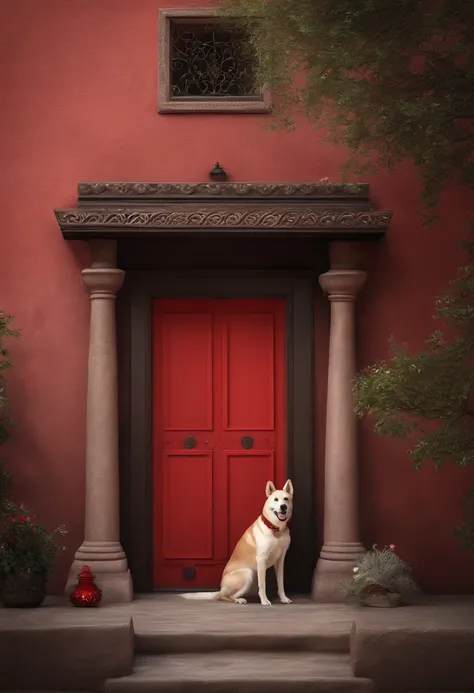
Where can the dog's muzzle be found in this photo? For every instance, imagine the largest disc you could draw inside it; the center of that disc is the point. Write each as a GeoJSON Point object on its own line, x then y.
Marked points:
{"type": "Point", "coordinates": [282, 513]}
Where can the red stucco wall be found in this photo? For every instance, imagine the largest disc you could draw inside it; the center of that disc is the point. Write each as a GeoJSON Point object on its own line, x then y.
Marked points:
{"type": "Point", "coordinates": [79, 84]}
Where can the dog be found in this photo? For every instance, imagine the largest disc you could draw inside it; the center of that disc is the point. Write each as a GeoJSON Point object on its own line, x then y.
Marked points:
{"type": "Point", "coordinates": [263, 545]}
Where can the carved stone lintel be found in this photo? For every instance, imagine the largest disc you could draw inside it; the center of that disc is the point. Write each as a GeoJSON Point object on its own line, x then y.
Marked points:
{"type": "Point", "coordinates": [137, 190]}
{"type": "Point", "coordinates": [323, 210]}
{"type": "Point", "coordinates": [230, 216]}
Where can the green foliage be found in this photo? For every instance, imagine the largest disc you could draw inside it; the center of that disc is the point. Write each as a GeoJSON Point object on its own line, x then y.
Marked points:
{"type": "Point", "coordinates": [390, 79]}
{"type": "Point", "coordinates": [428, 397]}
{"type": "Point", "coordinates": [380, 571]}
{"type": "Point", "coordinates": [5, 490]}
{"type": "Point", "coordinates": [25, 545]}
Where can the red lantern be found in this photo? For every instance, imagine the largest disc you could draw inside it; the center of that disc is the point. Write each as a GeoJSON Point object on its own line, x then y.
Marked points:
{"type": "Point", "coordinates": [86, 592]}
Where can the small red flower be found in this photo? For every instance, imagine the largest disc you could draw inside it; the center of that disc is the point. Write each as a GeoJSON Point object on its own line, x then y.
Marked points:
{"type": "Point", "coordinates": [392, 547]}
{"type": "Point", "coordinates": [22, 518]}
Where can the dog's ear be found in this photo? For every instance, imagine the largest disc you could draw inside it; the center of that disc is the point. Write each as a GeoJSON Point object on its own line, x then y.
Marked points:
{"type": "Point", "coordinates": [270, 488]}
{"type": "Point", "coordinates": [288, 487]}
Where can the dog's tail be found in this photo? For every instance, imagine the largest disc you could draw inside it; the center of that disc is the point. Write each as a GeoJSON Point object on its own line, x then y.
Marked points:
{"type": "Point", "coordinates": [201, 596]}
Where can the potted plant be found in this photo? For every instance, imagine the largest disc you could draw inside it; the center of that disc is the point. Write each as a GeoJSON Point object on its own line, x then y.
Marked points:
{"type": "Point", "coordinates": [27, 553]}
{"type": "Point", "coordinates": [381, 579]}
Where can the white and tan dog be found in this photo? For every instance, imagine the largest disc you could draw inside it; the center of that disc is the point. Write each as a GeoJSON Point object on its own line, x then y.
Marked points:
{"type": "Point", "coordinates": [263, 545]}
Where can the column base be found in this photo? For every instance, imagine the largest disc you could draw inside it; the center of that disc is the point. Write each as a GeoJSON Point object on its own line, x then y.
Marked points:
{"type": "Point", "coordinates": [335, 565]}
{"type": "Point", "coordinates": [108, 563]}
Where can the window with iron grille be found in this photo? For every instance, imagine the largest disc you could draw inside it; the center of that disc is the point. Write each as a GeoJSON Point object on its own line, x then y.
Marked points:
{"type": "Point", "coordinates": [206, 65]}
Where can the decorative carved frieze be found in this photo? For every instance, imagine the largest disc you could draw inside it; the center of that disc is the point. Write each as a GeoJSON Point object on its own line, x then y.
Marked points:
{"type": "Point", "coordinates": [219, 216]}
{"type": "Point", "coordinates": [323, 209]}
{"type": "Point", "coordinates": [91, 191]}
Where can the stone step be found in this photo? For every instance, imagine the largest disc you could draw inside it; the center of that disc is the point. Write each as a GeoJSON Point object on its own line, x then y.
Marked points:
{"type": "Point", "coordinates": [192, 626]}
{"type": "Point", "coordinates": [232, 672]}
{"type": "Point", "coordinates": [171, 642]}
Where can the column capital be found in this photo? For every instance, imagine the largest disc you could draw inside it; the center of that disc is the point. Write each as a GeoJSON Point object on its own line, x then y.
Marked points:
{"type": "Point", "coordinates": [102, 281]}
{"type": "Point", "coordinates": [342, 284]}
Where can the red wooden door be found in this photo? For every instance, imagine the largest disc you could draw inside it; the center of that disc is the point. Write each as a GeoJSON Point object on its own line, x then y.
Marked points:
{"type": "Point", "coordinates": [219, 383]}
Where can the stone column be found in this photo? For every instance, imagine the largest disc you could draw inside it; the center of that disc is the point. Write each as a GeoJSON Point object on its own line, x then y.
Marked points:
{"type": "Point", "coordinates": [101, 548]}
{"type": "Point", "coordinates": [341, 517]}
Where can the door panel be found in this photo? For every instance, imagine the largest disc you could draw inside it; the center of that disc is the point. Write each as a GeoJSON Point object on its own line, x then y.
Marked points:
{"type": "Point", "coordinates": [248, 473]}
{"type": "Point", "coordinates": [248, 372]}
{"type": "Point", "coordinates": [186, 394]}
{"type": "Point", "coordinates": [219, 384]}
{"type": "Point", "coordinates": [187, 526]}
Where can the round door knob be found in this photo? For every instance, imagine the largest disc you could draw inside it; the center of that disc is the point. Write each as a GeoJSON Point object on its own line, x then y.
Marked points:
{"type": "Point", "coordinates": [247, 442]}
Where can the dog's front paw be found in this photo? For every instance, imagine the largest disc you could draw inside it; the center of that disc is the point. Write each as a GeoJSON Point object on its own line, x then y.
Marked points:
{"type": "Point", "coordinates": [285, 600]}
{"type": "Point", "coordinates": [240, 600]}
{"type": "Point", "coordinates": [266, 602]}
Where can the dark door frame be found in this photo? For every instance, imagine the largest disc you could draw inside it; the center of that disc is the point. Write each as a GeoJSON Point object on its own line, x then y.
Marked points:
{"type": "Point", "coordinates": [135, 402]}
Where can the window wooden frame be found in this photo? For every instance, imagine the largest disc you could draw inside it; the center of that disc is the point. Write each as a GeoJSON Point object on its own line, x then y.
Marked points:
{"type": "Point", "coordinates": [166, 104]}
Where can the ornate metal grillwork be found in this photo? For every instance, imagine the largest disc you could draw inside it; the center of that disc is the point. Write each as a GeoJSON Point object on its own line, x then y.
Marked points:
{"type": "Point", "coordinates": [211, 61]}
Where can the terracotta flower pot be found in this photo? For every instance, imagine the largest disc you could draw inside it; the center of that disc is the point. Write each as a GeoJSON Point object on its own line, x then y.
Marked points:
{"type": "Point", "coordinates": [23, 591]}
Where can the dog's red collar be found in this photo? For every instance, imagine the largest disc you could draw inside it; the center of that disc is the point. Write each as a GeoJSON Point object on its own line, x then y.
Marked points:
{"type": "Point", "coordinates": [268, 524]}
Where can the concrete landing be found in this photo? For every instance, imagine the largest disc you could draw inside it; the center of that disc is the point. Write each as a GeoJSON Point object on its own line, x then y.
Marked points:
{"type": "Point", "coordinates": [167, 623]}
{"type": "Point", "coordinates": [424, 647]}
{"type": "Point", "coordinates": [233, 672]}
{"type": "Point", "coordinates": [302, 625]}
